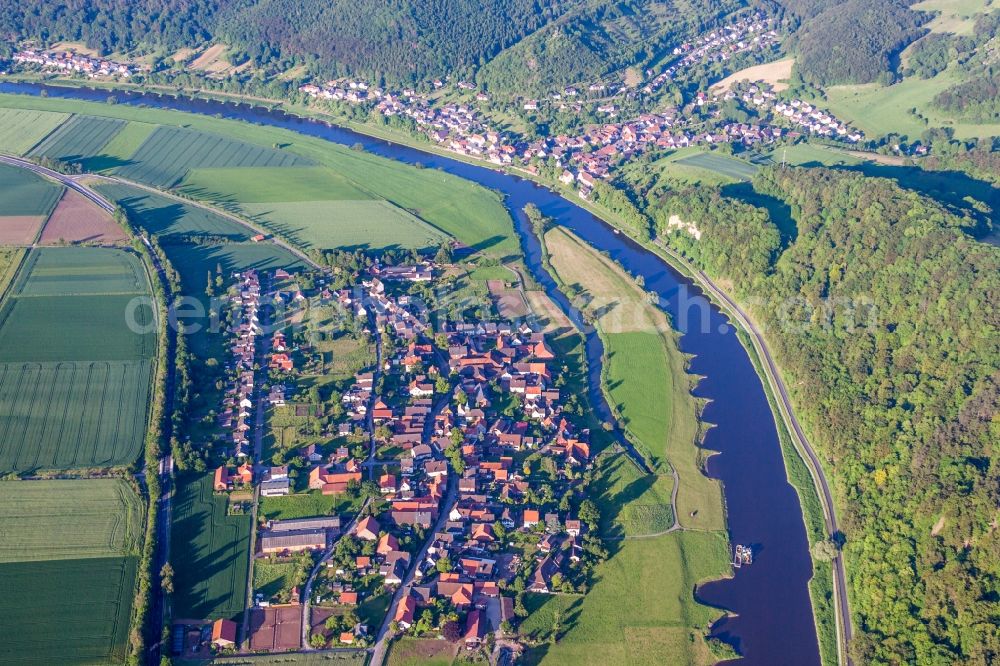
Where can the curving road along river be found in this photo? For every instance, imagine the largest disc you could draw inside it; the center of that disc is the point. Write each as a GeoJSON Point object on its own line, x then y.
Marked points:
{"type": "Point", "coordinates": [771, 621]}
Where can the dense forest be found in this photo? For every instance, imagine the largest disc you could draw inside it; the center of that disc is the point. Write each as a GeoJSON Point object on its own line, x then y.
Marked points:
{"type": "Point", "coordinates": [851, 41]}
{"type": "Point", "coordinates": [399, 41]}
{"type": "Point", "coordinates": [111, 25]}
{"type": "Point", "coordinates": [882, 314]}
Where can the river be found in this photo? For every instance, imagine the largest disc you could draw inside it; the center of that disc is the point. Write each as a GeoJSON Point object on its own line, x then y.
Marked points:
{"type": "Point", "coordinates": [772, 622]}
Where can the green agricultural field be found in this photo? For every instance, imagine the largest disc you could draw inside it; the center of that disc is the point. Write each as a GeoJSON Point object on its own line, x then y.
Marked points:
{"type": "Point", "coordinates": [120, 149]}
{"type": "Point", "coordinates": [24, 193]}
{"type": "Point", "coordinates": [165, 158]}
{"type": "Point", "coordinates": [210, 552]}
{"type": "Point", "coordinates": [365, 224]}
{"type": "Point", "coordinates": [72, 414]}
{"type": "Point", "coordinates": [725, 165]}
{"type": "Point", "coordinates": [74, 378]}
{"type": "Point", "coordinates": [657, 577]}
{"type": "Point", "coordinates": [68, 562]}
{"type": "Point", "coordinates": [70, 271]}
{"type": "Point", "coordinates": [20, 130]}
{"type": "Point", "coordinates": [645, 375]}
{"type": "Point", "coordinates": [164, 217]}
{"type": "Point", "coordinates": [105, 519]}
{"type": "Point", "coordinates": [75, 328]}
{"type": "Point", "coordinates": [67, 612]}
{"type": "Point", "coordinates": [270, 184]}
{"type": "Point", "coordinates": [78, 138]}
{"type": "Point", "coordinates": [467, 211]}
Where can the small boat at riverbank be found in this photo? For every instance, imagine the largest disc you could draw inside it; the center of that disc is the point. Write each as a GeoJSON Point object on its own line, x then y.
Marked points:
{"type": "Point", "coordinates": [743, 555]}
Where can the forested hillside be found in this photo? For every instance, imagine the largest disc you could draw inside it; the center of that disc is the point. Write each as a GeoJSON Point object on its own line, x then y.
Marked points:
{"type": "Point", "coordinates": [521, 45]}
{"type": "Point", "coordinates": [851, 41]}
{"type": "Point", "coordinates": [399, 41]}
{"type": "Point", "coordinates": [600, 39]}
{"type": "Point", "coordinates": [111, 25]}
{"type": "Point", "coordinates": [882, 314]}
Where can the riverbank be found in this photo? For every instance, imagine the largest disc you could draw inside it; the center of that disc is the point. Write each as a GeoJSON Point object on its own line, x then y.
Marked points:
{"type": "Point", "coordinates": [645, 376]}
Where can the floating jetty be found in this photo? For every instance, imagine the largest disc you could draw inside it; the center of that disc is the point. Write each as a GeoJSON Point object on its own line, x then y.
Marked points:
{"type": "Point", "coordinates": [743, 555]}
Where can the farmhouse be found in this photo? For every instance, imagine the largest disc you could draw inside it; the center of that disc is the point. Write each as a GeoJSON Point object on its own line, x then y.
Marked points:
{"type": "Point", "coordinates": [224, 633]}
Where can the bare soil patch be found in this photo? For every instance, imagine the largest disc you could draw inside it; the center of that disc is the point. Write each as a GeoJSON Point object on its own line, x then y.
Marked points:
{"type": "Point", "coordinates": [509, 302]}
{"type": "Point", "coordinates": [775, 73]}
{"type": "Point", "coordinates": [211, 59]}
{"type": "Point", "coordinates": [78, 220]}
{"type": "Point", "coordinates": [182, 55]}
{"type": "Point", "coordinates": [19, 229]}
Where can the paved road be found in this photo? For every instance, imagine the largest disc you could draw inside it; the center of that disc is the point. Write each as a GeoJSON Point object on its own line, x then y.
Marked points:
{"type": "Point", "coordinates": [263, 346]}
{"type": "Point", "coordinates": [845, 627]}
{"type": "Point", "coordinates": [382, 641]}
{"type": "Point", "coordinates": [307, 588]}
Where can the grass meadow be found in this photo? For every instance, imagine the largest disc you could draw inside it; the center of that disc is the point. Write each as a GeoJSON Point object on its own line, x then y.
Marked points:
{"type": "Point", "coordinates": [21, 129]}
{"type": "Point", "coordinates": [878, 110]}
{"type": "Point", "coordinates": [632, 503]}
{"type": "Point", "coordinates": [10, 262]}
{"type": "Point", "coordinates": [210, 552]}
{"type": "Point", "coordinates": [305, 505]}
{"type": "Point", "coordinates": [725, 165]}
{"type": "Point", "coordinates": [657, 577]}
{"type": "Point", "coordinates": [270, 579]}
{"type": "Point", "coordinates": [645, 376]}
{"type": "Point", "coordinates": [410, 651]}
{"type": "Point", "coordinates": [68, 565]}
